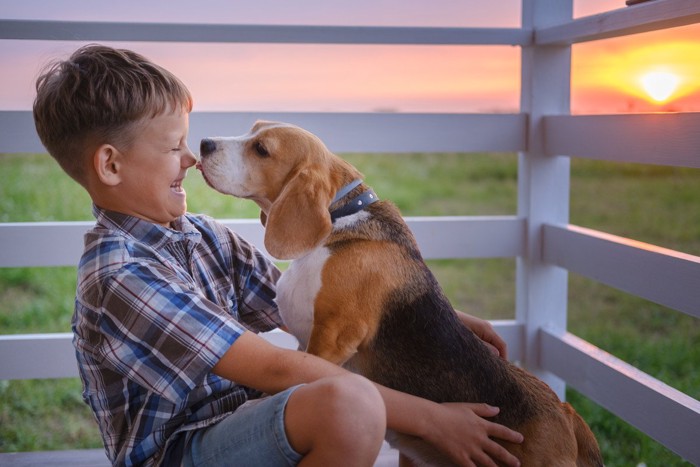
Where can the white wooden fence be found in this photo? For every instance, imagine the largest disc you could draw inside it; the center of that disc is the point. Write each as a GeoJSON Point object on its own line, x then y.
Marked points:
{"type": "Point", "coordinates": [539, 236]}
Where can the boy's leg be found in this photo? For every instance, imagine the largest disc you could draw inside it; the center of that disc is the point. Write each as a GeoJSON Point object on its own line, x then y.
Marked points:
{"type": "Point", "coordinates": [336, 421]}
{"type": "Point", "coordinates": [333, 421]}
{"type": "Point", "coordinates": [252, 435]}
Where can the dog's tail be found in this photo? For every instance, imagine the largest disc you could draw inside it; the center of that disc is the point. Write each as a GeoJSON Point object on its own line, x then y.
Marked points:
{"type": "Point", "coordinates": [588, 450]}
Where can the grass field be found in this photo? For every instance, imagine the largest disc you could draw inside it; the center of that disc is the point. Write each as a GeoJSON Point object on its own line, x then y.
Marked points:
{"type": "Point", "coordinates": [653, 204]}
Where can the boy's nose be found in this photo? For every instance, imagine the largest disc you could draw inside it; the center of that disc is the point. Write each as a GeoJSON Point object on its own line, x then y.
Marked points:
{"type": "Point", "coordinates": [189, 159]}
{"type": "Point", "coordinates": [207, 147]}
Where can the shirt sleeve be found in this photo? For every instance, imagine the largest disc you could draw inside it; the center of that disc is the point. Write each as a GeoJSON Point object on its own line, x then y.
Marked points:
{"type": "Point", "coordinates": [160, 332]}
{"type": "Point", "coordinates": [255, 277]}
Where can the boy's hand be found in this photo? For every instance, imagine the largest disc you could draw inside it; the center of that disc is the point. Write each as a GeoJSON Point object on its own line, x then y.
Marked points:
{"type": "Point", "coordinates": [464, 435]}
{"type": "Point", "coordinates": [484, 331]}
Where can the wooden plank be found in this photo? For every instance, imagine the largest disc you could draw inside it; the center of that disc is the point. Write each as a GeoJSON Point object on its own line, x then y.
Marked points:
{"type": "Point", "coordinates": [381, 132]}
{"type": "Point", "coordinates": [664, 276]}
{"type": "Point", "coordinates": [258, 33]}
{"type": "Point", "coordinates": [651, 16]}
{"type": "Point", "coordinates": [96, 458]}
{"type": "Point", "coordinates": [32, 244]}
{"type": "Point", "coordinates": [67, 458]}
{"type": "Point", "coordinates": [469, 237]}
{"type": "Point", "coordinates": [664, 413]}
{"type": "Point", "coordinates": [513, 332]}
{"type": "Point", "coordinates": [18, 133]}
{"type": "Point", "coordinates": [665, 139]}
{"type": "Point", "coordinates": [543, 182]}
{"type": "Point", "coordinates": [51, 355]}
{"type": "Point", "coordinates": [29, 356]}
{"type": "Point", "coordinates": [342, 132]}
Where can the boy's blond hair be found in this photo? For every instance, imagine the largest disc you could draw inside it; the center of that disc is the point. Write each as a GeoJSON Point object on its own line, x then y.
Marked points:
{"type": "Point", "coordinates": [98, 96]}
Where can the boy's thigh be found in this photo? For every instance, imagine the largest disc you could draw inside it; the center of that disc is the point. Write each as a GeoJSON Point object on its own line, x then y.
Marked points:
{"type": "Point", "coordinates": [253, 435]}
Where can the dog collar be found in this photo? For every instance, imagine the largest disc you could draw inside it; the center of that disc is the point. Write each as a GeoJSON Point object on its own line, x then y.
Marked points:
{"type": "Point", "coordinates": [357, 204]}
{"type": "Point", "coordinates": [346, 189]}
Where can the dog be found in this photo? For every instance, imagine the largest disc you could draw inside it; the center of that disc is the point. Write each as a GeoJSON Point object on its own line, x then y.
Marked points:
{"type": "Point", "coordinates": [358, 293]}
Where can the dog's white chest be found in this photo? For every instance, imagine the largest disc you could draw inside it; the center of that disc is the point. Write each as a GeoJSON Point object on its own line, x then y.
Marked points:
{"type": "Point", "coordinates": [296, 293]}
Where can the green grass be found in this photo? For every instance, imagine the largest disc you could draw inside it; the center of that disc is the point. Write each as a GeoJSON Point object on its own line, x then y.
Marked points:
{"type": "Point", "coordinates": [45, 415]}
{"type": "Point", "coordinates": [652, 204]}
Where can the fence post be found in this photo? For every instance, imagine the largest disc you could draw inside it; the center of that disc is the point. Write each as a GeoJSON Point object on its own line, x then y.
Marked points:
{"type": "Point", "coordinates": [543, 182]}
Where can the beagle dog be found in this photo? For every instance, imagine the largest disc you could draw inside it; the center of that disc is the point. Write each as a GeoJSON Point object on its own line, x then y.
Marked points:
{"type": "Point", "coordinates": [359, 294]}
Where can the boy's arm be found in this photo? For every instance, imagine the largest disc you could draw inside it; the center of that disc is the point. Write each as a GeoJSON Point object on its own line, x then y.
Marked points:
{"type": "Point", "coordinates": [457, 429]}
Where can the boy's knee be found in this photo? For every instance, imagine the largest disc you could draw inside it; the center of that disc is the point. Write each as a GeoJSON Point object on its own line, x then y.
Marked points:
{"type": "Point", "coordinates": [352, 402]}
{"type": "Point", "coordinates": [355, 396]}
{"type": "Point", "coordinates": [346, 412]}
{"type": "Point", "coordinates": [355, 415]}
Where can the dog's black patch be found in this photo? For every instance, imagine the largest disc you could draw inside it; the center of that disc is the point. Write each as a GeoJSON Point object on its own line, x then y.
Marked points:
{"type": "Point", "coordinates": [421, 347]}
{"type": "Point", "coordinates": [443, 360]}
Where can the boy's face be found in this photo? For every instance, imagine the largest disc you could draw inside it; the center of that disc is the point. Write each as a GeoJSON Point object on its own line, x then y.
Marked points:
{"type": "Point", "coordinates": [153, 169]}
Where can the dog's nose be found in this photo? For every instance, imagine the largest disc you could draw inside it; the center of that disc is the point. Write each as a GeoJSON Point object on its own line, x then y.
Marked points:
{"type": "Point", "coordinates": [206, 147]}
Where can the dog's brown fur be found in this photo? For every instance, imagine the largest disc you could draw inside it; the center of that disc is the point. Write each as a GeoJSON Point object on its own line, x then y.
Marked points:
{"type": "Point", "coordinates": [379, 309]}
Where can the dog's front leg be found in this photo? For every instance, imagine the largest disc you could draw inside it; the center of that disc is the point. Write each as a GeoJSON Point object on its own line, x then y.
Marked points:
{"type": "Point", "coordinates": [346, 310]}
{"type": "Point", "coordinates": [334, 341]}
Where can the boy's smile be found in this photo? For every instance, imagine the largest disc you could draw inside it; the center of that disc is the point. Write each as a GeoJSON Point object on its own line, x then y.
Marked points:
{"type": "Point", "coordinates": [151, 170]}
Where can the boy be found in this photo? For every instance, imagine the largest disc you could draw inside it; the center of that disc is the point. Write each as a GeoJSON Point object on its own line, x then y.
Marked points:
{"type": "Point", "coordinates": [168, 304]}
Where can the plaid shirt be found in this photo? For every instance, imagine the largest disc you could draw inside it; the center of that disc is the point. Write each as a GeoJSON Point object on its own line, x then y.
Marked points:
{"type": "Point", "coordinates": [155, 310]}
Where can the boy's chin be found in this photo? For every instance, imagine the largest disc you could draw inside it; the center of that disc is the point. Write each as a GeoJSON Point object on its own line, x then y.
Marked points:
{"type": "Point", "coordinates": [173, 213]}
{"type": "Point", "coordinates": [180, 212]}
{"type": "Point", "coordinates": [180, 202]}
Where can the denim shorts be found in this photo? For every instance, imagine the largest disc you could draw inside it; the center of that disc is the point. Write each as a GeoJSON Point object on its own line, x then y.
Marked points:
{"type": "Point", "coordinates": [253, 435]}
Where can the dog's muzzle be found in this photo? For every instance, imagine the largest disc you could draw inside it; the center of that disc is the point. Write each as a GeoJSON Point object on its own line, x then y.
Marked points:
{"type": "Point", "coordinates": [206, 147]}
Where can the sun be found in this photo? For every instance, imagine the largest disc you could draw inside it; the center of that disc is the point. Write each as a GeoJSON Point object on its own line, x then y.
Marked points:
{"type": "Point", "coordinates": [660, 85]}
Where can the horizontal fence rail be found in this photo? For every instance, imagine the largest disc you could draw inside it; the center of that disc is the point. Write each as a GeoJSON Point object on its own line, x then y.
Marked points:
{"type": "Point", "coordinates": [663, 139]}
{"type": "Point", "coordinates": [18, 359]}
{"type": "Point", "coordinates": [37, 243]}
{"type": "Point", "coordinates": [259, 33]}
{"type": "Point", "coordinates": [342, 132]}
{"type": "Point", "coordinates": [646, 17]}
{"type": "Point", "coordinates": [675, 418]}
{"type": "Point", "coordinates": [658, 274]}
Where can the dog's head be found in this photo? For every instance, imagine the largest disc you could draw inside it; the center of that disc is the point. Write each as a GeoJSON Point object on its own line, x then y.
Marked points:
{"type": "Point", "coordinates": [288, 172]}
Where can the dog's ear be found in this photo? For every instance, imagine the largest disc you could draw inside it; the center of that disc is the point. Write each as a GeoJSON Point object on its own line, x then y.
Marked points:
{"type": "Point", "coordinates": [299, 219]}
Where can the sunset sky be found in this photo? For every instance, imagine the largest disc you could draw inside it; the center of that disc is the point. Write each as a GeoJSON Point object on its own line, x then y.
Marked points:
{"type": "Point", "coordinates": [648, 72]}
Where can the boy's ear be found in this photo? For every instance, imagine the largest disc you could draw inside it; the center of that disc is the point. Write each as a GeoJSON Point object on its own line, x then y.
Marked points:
{"type": "Point", "coordinates": [106, 161]}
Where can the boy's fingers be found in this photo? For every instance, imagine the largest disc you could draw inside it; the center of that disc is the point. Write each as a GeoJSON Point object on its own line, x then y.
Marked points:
{"type": "Point", "coordinates": [498, 452]}
{"type": "Point", "coordinates": [492, 348]}
{"type": "Point", "coordinates": [494, 429]}
{"type": "Point", "coordinates": [484, 410]}
{"type": "Point", "coordinates": [504, 433]}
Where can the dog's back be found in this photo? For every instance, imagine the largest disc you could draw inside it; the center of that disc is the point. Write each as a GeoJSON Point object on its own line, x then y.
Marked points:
{"type": "Point", "coordinates": [421, 347]}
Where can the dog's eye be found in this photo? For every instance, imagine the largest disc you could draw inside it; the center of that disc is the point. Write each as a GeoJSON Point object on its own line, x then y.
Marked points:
{"type": "Point", "coordinates": [260, 149]}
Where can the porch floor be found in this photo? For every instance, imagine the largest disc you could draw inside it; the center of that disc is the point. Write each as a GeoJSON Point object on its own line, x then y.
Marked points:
{"type": "Point", "coordinates": [96, 458]}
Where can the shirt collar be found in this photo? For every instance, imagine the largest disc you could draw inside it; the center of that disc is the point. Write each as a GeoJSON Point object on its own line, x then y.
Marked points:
{"type": "Point", "coordinates": [145, 231]}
